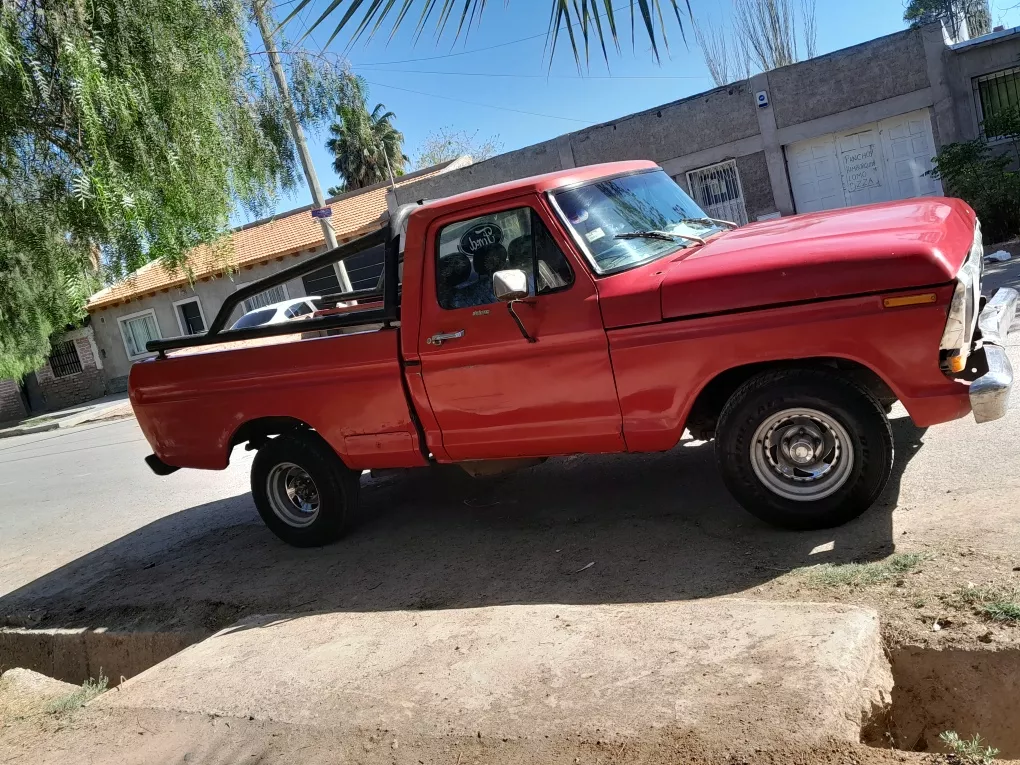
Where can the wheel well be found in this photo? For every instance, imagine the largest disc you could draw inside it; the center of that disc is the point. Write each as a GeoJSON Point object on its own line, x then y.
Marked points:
{"type": "Point", "coordinates": [257, 432]}
{"type": "Point", "coordinates": [713, 397]}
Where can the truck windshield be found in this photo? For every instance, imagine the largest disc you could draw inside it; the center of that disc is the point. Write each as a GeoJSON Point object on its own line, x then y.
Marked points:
{"type": "Point", "coordinates": [627, 221]}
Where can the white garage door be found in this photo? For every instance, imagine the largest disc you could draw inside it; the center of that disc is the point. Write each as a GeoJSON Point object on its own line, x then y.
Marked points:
{"type": "Point", "coordinates": [875, 162]}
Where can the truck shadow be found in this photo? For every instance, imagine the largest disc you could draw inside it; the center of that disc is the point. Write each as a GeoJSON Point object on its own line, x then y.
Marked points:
{"type": "Point", "coordinates": [593, 529]}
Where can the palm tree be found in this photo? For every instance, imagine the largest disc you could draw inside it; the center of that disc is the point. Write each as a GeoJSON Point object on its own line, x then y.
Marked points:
{"type": "Point", "coordinates": [361, 143]}
{"type": "Point", "coordinates": [588, 15]}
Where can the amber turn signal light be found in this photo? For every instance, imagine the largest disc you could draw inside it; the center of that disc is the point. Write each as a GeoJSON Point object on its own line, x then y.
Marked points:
{"type": "Point", "coordinates": [956, 363]}
{"type": "Point", "coordinates": [899, 302]}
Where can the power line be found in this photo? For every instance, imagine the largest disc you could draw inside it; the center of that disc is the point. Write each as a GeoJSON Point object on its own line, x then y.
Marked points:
{"type": "Point", "coordinates": [541, 76]}
{"type": "Point", "coordinates": [487, 47]}
{"type": "Point", "coordinates": [477, 103]}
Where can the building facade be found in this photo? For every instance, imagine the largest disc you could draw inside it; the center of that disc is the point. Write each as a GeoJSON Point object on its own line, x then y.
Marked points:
{"type": "Point", "coordinates": [855, 126]}
{"type": "Point", "coordinates": [72, 374]}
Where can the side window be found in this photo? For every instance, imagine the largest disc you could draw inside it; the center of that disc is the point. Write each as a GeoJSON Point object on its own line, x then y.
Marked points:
{"type": "Point", "coordinates": [469, 252]}
{"type": "Point", "coordinates": [551, 266]}
{"type": "Point", "coordinates": [301, 309]}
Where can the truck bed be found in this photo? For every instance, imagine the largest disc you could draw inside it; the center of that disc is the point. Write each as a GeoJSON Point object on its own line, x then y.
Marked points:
{"type": "Point", "coordinates": [349, 388]}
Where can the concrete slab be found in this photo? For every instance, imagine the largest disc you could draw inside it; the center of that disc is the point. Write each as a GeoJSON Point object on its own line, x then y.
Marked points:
{"type": "Point", "coordinates": [732, 671]}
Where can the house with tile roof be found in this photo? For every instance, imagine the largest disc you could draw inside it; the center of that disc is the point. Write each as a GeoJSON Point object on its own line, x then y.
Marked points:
{"type": "Point", "coordinates": [154, 302]}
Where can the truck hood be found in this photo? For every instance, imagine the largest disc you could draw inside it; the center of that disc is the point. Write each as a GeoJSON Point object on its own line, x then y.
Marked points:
{"type": "Point", "coordinates": [875, 248]}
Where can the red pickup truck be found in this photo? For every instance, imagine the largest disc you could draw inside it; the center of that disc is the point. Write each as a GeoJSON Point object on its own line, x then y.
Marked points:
{"type": "Point", "coordinates": [599, 310]}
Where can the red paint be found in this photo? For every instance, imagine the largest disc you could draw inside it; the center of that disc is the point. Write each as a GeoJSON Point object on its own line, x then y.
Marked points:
{"type": "Point", "coordinates": [619, 359]}
{"type": "Point", "coordinates": [495, 395]}
{"type": "Point", "coordinates": [821, 255]}
{"type": "Point", "coordinates": [660, 368]}
{"type": "Point", "coordinates": [189, 407]}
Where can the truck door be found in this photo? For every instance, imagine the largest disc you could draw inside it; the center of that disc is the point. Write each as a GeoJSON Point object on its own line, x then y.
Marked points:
{"type": "Point", "coordinates": [493, 393]}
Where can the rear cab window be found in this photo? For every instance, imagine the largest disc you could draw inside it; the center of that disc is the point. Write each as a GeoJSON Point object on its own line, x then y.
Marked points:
{"type": "Point", "coordinates": [469, 252]}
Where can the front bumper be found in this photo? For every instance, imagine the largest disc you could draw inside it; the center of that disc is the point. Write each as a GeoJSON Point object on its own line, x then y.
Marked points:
{"type": "Point", "coordinates": [989, 393]}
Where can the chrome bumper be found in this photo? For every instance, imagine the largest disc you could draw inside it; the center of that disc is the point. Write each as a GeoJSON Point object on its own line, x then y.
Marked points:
{"type": "Point", "coordinates": [989, 394]}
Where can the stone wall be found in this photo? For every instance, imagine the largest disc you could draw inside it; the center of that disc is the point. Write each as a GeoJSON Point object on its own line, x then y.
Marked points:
{"type": "Point", "coordinates": [12, 407]}
{"type": "Point", "coordinates": [79, 387]}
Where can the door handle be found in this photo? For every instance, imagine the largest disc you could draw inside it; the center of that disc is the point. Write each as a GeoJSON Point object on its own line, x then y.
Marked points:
{"type": "Point", "coordinates": [442, 337]}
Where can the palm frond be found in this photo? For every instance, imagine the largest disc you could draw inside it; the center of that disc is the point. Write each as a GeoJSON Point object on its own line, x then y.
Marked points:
{"type": "Point", "coordinates": [564, 15]}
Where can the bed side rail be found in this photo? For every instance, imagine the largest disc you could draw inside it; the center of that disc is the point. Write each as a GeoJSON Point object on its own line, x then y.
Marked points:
{"type": "Point", "coordinates": [372, 313]}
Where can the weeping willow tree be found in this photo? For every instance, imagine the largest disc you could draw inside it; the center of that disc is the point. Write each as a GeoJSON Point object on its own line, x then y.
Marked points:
{"type": "Point", "coordinates": [129, 132]}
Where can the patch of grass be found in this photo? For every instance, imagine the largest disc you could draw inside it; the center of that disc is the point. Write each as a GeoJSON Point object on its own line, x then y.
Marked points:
{"type": "Point", "coordinates": [1002, 611]}
{"type": "Point", "coordinates": [72, 701]}
{"type": "Point", "coordinates": [968, 751]}
{"type": "Point", "coordinates": [996, 603]}
{"type": "Point", "coordinates": [862, 574]}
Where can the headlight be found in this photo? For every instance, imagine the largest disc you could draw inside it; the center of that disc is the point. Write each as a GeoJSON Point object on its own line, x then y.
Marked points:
{"type": "Point", "coordinates": [962, 320]}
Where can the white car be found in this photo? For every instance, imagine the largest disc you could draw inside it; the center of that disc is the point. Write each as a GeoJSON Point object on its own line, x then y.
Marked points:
{"type": "Point", "coordinates": [278, 313]}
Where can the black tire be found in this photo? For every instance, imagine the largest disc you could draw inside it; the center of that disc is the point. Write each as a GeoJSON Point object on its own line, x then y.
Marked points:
{"type": "Point", "coordinates": [759, 401]}
{"type": "Point", "coordinates": [334, 487]}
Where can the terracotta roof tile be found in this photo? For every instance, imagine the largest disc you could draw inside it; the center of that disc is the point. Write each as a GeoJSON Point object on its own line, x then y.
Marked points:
{"type": "Point", "coordinates": [354, 214]}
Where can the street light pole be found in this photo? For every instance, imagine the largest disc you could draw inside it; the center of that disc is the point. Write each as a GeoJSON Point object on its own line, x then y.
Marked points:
{"type": "Point", "coordinates": [298, 133]}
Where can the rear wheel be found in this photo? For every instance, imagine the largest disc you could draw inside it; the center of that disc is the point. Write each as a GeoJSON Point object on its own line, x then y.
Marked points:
{"type": "Point", "coordinates": [804, 449]}
{"type": "Point", "coordinates": [304, 493]}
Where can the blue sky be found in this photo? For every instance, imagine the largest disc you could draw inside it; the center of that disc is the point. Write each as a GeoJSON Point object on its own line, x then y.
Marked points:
{"type": "Point", "coordinates": [428, 88]}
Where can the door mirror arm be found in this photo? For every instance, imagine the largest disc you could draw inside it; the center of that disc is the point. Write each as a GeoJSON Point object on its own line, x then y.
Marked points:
{"type": "Point", "coordinates": [510, 286]}
{"type": "Point", "coordinates": [517, 319]}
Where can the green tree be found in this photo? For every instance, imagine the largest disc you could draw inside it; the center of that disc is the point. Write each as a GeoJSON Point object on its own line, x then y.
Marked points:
{"type": "Point", "coordinates": [597, 19]}
{"type": "Point", "coordinates": [446, 144]}
{"type": "Point", "coordinates": [130, 131]}
{"type": "Point", "coordinates": [980, 174]}
{"type": "Point", "coordinates": [951, 13]}
{"type": "Point", "coordinates": [361, 143]}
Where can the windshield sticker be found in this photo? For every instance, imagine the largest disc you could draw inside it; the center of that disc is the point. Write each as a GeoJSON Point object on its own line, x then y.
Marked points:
{"type": "Point", "coordinates": [595, 234]}
{"type": "Point", "coordinates": [480, 236]}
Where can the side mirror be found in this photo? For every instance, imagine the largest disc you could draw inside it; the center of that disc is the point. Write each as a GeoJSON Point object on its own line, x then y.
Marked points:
{"type": "Point", "coordinates": [508, 285]}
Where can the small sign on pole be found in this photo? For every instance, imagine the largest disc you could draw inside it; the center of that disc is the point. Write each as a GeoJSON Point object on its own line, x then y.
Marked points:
{"type": "Point", "coordinates": [322, 212]}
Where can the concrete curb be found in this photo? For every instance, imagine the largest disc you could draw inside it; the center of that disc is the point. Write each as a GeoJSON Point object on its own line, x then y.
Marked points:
{"type": "Point", "coordinates": [90, 415]}
{"type": "Point", "coordinates": [74, 655]}
{"type": "Point", "coordinates": [11, 432]}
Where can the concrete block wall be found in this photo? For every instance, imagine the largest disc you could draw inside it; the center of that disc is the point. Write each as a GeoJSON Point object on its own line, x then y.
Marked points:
{"type": "Point", "coordinates": [848, 78]}
{"type": "Point", "coordinates": [12, 406]}
{"type": "Point", "coordinates": [77, 388]}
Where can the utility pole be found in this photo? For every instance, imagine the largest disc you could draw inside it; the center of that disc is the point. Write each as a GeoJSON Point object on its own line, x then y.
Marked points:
{"type": "Point", "coordinates": [298, 133]}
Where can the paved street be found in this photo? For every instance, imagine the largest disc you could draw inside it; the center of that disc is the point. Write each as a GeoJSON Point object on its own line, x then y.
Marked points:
{"type": "Point", "coordinates": [66, 493]}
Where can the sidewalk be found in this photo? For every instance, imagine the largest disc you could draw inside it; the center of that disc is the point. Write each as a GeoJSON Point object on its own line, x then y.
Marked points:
{"type": "Point", "coordinates": [112, 407]}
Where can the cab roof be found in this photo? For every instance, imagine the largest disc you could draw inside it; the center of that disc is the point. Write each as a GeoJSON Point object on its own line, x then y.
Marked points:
{"type": "Point", "coordinates": [541, 183]}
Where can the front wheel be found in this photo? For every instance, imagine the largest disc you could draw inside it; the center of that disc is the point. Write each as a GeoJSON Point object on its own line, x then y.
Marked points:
{"type": "Point", "coordinates": [302, 490]}
{"type": "Point", "coordinates": [804, 449]}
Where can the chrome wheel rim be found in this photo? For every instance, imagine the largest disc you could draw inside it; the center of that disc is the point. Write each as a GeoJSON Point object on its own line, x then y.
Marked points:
{"type": "Point", "coordinates": [802, 454]}
{"type": "Point", "coordinates": [292, 494]}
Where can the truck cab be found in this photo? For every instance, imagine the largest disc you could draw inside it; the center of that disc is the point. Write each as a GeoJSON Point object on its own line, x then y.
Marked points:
{"type": "Point", "coordinates": [599, 310]}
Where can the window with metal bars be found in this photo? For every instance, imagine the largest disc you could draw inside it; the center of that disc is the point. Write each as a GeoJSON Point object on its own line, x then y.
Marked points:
{"type": "Point", "coordinates": [717, 191]}
{"type": "Point", "coordinates": [997, 93]}
{"type": "Point", "coordinates": [64, 360]}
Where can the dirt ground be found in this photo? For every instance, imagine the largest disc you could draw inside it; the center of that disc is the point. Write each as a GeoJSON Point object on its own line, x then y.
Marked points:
{"type": "Point", "coordinates": [161, 739]}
